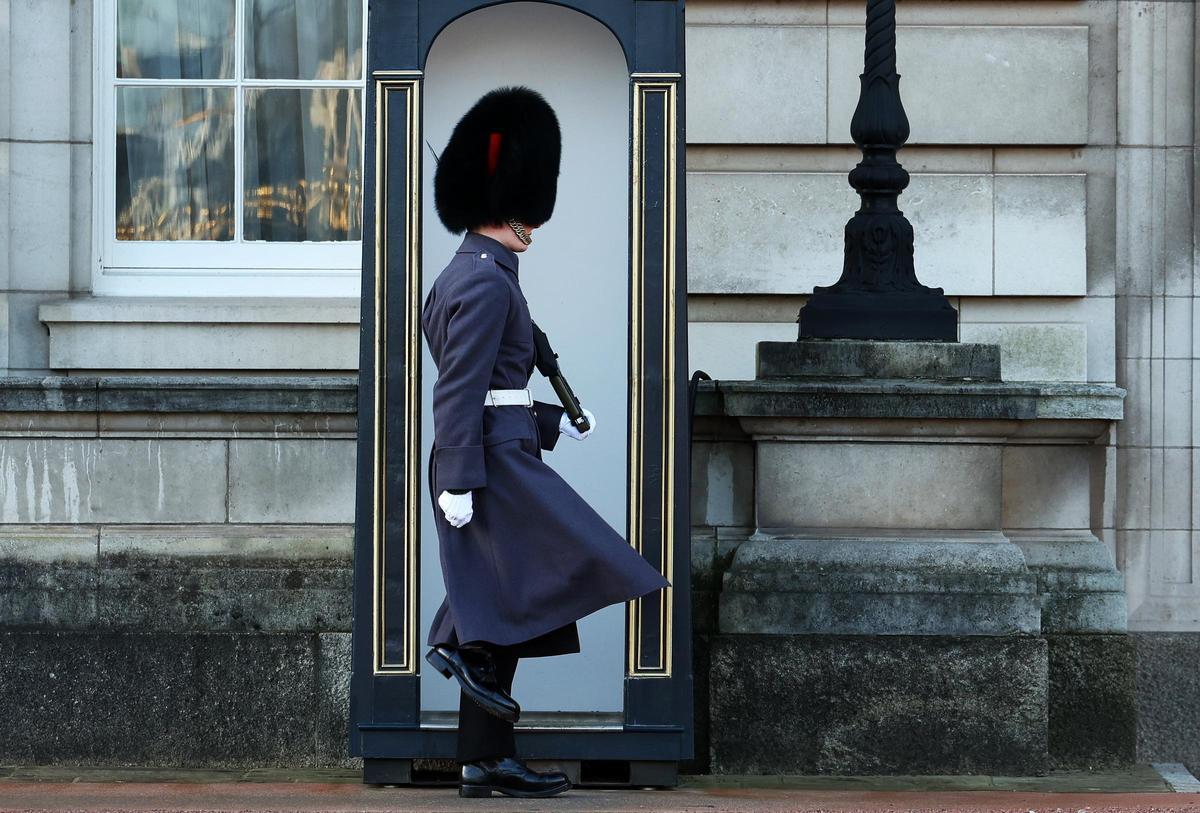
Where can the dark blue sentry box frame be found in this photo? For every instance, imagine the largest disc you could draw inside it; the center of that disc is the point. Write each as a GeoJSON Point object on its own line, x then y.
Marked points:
{"type": "Point", "coordinates": [385, 718]}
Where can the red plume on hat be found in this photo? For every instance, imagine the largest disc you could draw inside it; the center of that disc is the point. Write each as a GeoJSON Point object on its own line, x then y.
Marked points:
{"type": "Point", "coordinates": [501, 162]}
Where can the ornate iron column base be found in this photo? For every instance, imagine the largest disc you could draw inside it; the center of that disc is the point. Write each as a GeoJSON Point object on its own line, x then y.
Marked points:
{"type": "Point", "coordinates": [902, 315]}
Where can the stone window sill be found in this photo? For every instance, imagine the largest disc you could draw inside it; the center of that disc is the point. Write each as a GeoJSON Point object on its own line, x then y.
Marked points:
{"type": "Point", "coordinates": [104, 334]}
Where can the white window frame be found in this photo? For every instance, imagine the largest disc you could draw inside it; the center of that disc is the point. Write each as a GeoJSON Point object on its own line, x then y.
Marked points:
{"type": "Point", "coordinates": [204, 267]}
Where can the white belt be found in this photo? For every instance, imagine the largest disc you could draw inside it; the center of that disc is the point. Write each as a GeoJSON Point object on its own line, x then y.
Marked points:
{"type": "Point", "coordinates": [508, 398]}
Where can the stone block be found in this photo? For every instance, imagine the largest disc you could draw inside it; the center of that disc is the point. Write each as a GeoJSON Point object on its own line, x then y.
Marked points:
{"type": "Point", "coordinates": [1047, 486]}
{"type": "Point", "coordinates": [849, 358]}
{"type": "Point", "coordinates": [1177, 404]}
{"type": "Point", "coordinates": [40, 59]}
{"type": "Point", "coordinates": [1093, 701]}
{"type": "Point", "coordinates": [80, 256]}
{"type": "Point", "coordinates": [725, 350]}
{"type": "Point", "coordinates": [1155, 86]}
{"type": "Point", "coordinates": [905, 485]}
{"type": "Point", "coordinates": [291, 481]}
{"type": "Point", "coordinates": [203, 700]}
{"type": "Point", "coordinates": [1134, 334]}
{"type": "Point", "coordinates": [1036, 80]}
{"type": "Point", "coordinates": [1099, 318]}
{"type": "Point", "coordinates": [28, 342]}
{"type": "Point", "coordinates": [722, 483]}
{"type": "Point", "coordinates": [1154, 249]}
{"type": "Point", "coordinates": [224, 579]}
{"type": "Point", "coordinates": [1040, 235]}
{"type": "Point", "coordinates": [113, 480]}
{"type": "Point", "coordinates": [183, 333]}
{"type": "Point", "coordinates": [1176, 491]}
{"type": "Point", "coordinates": [82, 77]}
{"type": "Point", "coordinates": [333, 699]}
{"type": "Point", "coordinates": [878, 705]}
{"type": "Point", "coordinates": [1178, 342]}
{"type": "Point", "coordinates": [1168, 697]}
{"type": "Point", "coordinates": [735, 96]}
{"type": "Point", "coordinates": [1035, 352]}
{"type": "Point", "coordinates": [1080, 589]}
{"type": "Point", "coordinates": [40, 187]}
{"type": "Point", "coordinates": [921, 585]}
{"type": "Point", "coordinates": [789, 232]}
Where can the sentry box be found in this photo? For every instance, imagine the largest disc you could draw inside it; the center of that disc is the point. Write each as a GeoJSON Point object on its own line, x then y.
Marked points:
{"type": "Point", "coordinates": [606, 280]}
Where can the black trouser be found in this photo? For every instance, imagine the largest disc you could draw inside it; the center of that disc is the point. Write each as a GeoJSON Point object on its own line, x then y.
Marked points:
{"type": "Point", "coordinates": [481, 734]}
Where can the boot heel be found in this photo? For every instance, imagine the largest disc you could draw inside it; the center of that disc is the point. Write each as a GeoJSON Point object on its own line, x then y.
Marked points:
{"type": "Point", "coordinates": [475, 791]}
{"type": "Point", "coordinates": [439, 662]}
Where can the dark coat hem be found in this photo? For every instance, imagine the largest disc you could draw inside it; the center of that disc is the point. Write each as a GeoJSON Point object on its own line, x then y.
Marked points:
{"type": "Point", "coordinates": [566, 614]}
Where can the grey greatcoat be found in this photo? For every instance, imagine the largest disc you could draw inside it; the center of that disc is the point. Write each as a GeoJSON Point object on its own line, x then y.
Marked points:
{"type": "Point", "coordinates": [535, 557]}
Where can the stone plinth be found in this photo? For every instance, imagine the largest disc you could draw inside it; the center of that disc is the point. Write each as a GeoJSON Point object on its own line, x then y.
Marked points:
{"type": "Point", "coordinates": [906, 500]}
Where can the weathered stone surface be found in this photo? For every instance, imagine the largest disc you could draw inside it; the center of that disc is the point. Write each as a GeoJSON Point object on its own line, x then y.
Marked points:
{"type": "Point", "coordinates": [1081, 589]}
{"type": "Point", "coordinates": [1093, 719]}
{"type": "Point", "coordinates": [875, 484]}
{"type": "Point", "coordinates": [748, 254]}
{"type": "Point", "coordinates": [205, 700]}
{"type": "Point", "coordinates": [333, 700]}
{"type": "Point", "coordinates": [1036, 80]}
{"type": "Point", "coordinates": [879, 586]}
{"type": "Point", "coordinates": [201, 578]}
{"type": "Point", "coordinates": [787, 99]}
{"type": "Point", "coordinates": [270, 481]}
{"type": "Point", "coordinates": [1036, 352]}
{"type": "Point", "coordinates": [910, 399]}
{"type": "Point", "coordinates": [204, 393]}
{"type": "Point", "coordinates": [179, 333]}
{"type": "Point", "coordinates": [878, 705]}
{"type": "Point", "coordinates": [847, 358]}
{"type": "Point", "coordinates": [74, 480]}
{"type": "Point", "coordinates": [722, 482]}
{"type": "Point", "coordinates": [1168, 697]}
{"type": "Point", "coordinates": [1041, 230]}
{"type": "Point", "coordinates": [48, 394]}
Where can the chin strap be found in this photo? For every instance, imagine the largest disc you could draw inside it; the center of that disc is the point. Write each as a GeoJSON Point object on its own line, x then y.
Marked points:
{"type": "Point", "coordinates": [519, 230]}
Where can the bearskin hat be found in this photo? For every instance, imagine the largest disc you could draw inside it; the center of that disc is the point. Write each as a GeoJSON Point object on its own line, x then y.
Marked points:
{"type": "Point", "coordinates": [501, 162]}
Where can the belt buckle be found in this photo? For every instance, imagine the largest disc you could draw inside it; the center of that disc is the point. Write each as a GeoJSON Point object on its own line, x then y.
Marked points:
{"type": "Point", "coordinates": [528, 398]}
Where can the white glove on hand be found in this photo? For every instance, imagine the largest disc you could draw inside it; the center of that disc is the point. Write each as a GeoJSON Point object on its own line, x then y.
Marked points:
{"type": "Point", "coordinates": [567, 428]}
{"type": "Point", "coordinates": [458, 508]}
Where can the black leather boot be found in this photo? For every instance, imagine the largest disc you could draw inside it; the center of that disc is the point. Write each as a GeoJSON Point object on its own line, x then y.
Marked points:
{"type": "Point", "coordinates": [510, 776]}
{"type": "Point", "coordinates": [476, 674]}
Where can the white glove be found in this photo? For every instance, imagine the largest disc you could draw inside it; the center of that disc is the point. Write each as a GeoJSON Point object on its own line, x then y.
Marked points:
{"type": "Point", "coordinates": [458, 508]}
{"type": "Point", "coordinates": [567, 428]}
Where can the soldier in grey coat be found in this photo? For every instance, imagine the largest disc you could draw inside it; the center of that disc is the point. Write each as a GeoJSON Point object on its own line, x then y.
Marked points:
{"type": "Point", "coordinates": [523, 556]}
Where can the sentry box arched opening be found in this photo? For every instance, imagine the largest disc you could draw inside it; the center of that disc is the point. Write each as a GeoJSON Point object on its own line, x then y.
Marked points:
{"type": "Point", "coordinates": [606, 280]}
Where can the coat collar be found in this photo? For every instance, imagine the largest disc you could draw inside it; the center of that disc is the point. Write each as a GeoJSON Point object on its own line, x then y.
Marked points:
{"type": "Point", "coordinates": [474, 243]}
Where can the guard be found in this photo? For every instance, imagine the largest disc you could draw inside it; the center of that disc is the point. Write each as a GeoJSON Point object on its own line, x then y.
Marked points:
{"type": "Point", "coordinates": [523, 556]}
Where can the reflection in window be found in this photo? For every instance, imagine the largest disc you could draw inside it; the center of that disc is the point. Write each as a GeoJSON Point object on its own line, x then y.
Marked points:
{"type": "Point", "coordinates": [303, 39]}
{"type": "Point", "coordinates": [291, 110]}
{"type": "Point", "coordinates": [303, 164]}
{"type": "Point", "coordinates": [175, 39]}
{"type": "Point", "coordinates": [175, 163]}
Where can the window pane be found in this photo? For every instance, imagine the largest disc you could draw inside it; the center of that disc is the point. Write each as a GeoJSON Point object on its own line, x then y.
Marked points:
{"type": "Point", "coordinates": [174, 163]}
{"type": "Point", "coordinates": [303, 39]}
{"type": "Point", "coordinates": [303, 164]}
{"type": "Point", "coordinates": [175, 39]}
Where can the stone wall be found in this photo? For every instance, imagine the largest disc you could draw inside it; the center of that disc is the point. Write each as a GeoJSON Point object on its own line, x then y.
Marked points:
{"type": "Point", "coordinates": [175, 583]}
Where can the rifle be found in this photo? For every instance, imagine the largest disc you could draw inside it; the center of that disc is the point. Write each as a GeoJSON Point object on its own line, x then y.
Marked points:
{"type": "Point", "coordinates": [546, 361]}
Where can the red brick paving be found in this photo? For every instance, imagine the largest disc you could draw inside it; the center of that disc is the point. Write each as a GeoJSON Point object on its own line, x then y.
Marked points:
{"type": "Point", "coordinates": [269, 797]}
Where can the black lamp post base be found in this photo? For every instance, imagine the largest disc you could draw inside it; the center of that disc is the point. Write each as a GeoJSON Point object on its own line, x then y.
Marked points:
{"type": "Point", "coordinates": [899, 315]}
